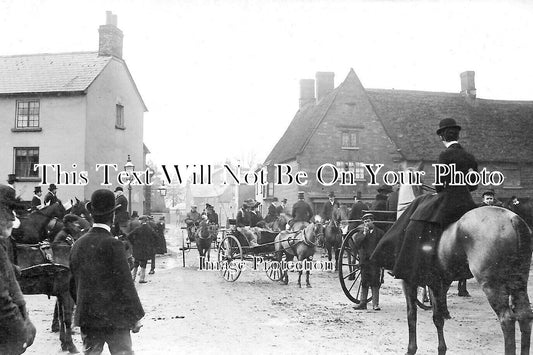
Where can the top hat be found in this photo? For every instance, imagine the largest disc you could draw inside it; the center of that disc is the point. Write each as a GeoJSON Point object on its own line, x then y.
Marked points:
{"type": "Point", "coordinates": [300, 194]}
{"type": "Point", "coordinates": [447, 123]}
{"type": "Point", "coordinates": [102, 203]}
{"type": "Point", "coordinates": [36, 189]}
{"type": "Point", "coordinates": [385, 188]}
{"type": "Point", "coordinates": [52, 187]}
{"type": "Point", "coordinates": [284, 200]}
{"type": "Point", "coordinates": [11, 178]}
{"type": "Point", "coordinates": [275, 199]}
{"type": "Point", "coordinates": [331, 194]}
{"type": "Point", "coordinates": [119, 188]}
{"type": "Point", "coordinates": [367, 216]}
{"type": "Point", "coordinates": [134, 214]}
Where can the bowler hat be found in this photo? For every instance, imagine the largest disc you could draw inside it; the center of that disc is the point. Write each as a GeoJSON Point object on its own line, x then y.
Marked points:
{"type": "Point", "coordinates": [275, 199]}
{"type": "Point", "coordinates": [331, 194]}
{"type": "Point", "coordinates": [207, 206]}
{"type": "Point", "coordinates": [284, 200]}
{"type": "Point", "coordinates": [36, 189]}
{"type": "Point", "coordinates": [52, 187]}
{"type": "Point", "coordinates": [69, 218]}
{"type": "Point", "coordinates": [447, 123]}
{"type": "Point", "coordinates": [119, 188]}
{"type": "Point", "coordinates": [102, 203]}
{"type": "Point", "coordinates": [134, 214]}
{"type": "Point", "coordinates": [488, 193]}
{"type": "Point", "coordinates": [367, 216]}
{"type": "Point", "coordinates": [11, 178]}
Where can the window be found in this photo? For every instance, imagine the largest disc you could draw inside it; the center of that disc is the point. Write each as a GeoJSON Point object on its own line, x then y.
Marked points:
{"type": "Point", "coordinates": [119, 121]}
{"type": "Point", "coordinates": [27, 115]}
{"type": "Point", "coordinates": [25, 159]}
{"type": "Point", "coordinates": [356, 167]}
{"type": "Point", "coordinates": [350, 139]}
{"type": "Point", "coordinates": [512, 178]}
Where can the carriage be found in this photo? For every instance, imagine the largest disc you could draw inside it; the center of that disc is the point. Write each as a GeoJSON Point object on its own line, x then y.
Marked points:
{"type": "Point", "coordinates": [350, 270]}
{"type": "Point", "coordinates": [235, 249]}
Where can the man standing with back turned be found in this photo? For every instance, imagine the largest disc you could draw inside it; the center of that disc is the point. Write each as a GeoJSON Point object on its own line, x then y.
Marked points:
{"type": "Point", "coordinates": [108, 306]}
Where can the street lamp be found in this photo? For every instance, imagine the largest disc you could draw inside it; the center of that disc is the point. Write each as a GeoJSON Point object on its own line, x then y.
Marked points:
{"type": "Point", "coordinates": [129, 168]}
{"type": "Point", "coordinates": [162, 189]}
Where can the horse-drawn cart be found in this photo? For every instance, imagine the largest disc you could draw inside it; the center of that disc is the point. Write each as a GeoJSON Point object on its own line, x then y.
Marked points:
{"type": "Point", "coordinates": [235, 249]}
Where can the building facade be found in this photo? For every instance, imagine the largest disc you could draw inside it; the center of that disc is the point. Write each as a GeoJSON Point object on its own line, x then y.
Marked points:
{"type": "Point", "coordinates": [74, 109]}
{"type": "Point", "coordinates": [349, 126]}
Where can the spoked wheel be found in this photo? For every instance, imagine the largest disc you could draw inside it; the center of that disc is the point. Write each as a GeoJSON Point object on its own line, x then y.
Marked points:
{"type": "Point", "coordinates": [230, 258]}
{"type": "Point", "coordinates": [350, 270]}
{"type": "Point", "coordinates": [423, 298]}
{"type": "Point", "coordinates": [274, 270]}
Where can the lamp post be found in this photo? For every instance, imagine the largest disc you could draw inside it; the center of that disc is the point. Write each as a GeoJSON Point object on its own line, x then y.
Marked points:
{"type": "Point", "coordinates": [162, 189]}
{"type": "Point", "coordinates": [129, 168]}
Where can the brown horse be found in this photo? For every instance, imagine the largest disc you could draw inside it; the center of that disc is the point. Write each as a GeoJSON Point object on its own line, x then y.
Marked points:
{"type": "Point", "coordinates": [40, 276]}
{"type": "Point", "coordinates": [495, 244]}
{"type": "Point", "coordinates": [300, 244]}
{"type": "Point", "coordinates": [279, 224]}
{"type": "Point", "coordinates": [333, 236]}
{"type": "Point", "coordinates": [33, 228]}
{"type": "Point", "coordinates": [78, 208]}
{"type": "Point", "coordinates": [204, 238]}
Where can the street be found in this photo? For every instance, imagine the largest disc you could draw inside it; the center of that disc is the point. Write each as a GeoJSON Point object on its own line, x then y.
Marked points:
{"type": "Point", "coordinates": [198, 312]}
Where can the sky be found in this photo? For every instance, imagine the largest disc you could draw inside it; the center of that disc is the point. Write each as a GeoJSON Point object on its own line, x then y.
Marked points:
{"type": "Point", "coordinates": [221, 78]}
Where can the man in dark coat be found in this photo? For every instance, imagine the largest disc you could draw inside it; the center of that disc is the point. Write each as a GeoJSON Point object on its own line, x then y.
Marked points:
{"type": "Point", "coordinates": [16, 330]}
{"type": "Point", "coordinates": [121, 213]}
{"type": "Point", "coordinates": [193, 219]}
{"type": "Point", "coordinates": [329, 207]}
{"type": "Point", "coordinates": [281, 208]}
{"type": "Point", "coordinates": [143, 240]}
{"type": "Point", "coordinates": [356, 212]}
{"type": "Point", "coordinates": [160, 227]}
{"type": "Point", "coordinates": [428, 215]}
{"type": "Point", "coordinates": [301, 212]}
{"type": "Point", "coordinates": [36, 203]}
{"type": "Point", "coordinates": [51, 196]}
{"type": "Point", "coordinates": [272, 214]}
{"type": "Point", "coordinates": [380, 203]}
{"type": "Point", "coordinates": [365, 241]}
{"type": "Point", "coordinates": [108, 306]}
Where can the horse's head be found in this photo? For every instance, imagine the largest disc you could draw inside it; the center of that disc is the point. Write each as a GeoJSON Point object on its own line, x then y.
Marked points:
{"type": "Point", "coordinates": [79, 209]}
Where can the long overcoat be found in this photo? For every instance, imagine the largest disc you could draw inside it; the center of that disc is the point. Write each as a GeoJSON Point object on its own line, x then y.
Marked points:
{"type": "Point", "coordinates": [102, 285]}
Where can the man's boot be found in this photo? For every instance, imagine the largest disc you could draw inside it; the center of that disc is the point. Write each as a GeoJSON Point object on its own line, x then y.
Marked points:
{"type": "Point", "coordinates": [143, 275]}
{"type": "Point", "coordinates": [375, 299]}
{"type": "Point", "coordinates": [364, 298]}
{"type": "Point", "coordinates": [134, 273]}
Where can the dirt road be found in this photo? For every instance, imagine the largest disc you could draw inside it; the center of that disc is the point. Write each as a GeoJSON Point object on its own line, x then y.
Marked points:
{"type": "Point", "coordinates": [198, 312]}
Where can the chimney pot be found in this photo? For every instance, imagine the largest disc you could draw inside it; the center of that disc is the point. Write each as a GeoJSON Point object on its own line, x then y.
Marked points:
{"type": "Point", "coordinates": [468, 84]}
{"type": "Point", "coordinates": [307, 92]}
{"type": "Point", "coordinates": [111, 37]}
{"type": "Point", "coordinates": [325, 83]}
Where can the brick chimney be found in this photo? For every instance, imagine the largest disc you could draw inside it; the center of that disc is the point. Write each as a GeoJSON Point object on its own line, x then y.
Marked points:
{"type": "Point", "coordinates": [324, 84]}
{"type": "Point", "coordinates": [468, 85]}
{"type": "Point", "coordinates": [110, 37]}
{"type": "Point", "coordinates": [307, 92]}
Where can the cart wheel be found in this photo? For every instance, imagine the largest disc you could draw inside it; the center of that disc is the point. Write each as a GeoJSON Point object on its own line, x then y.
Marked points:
{"type": "Point", "coordinates": [229, 255]}
{"type": "Point", "coordinates": [423, 298]}
{"type": "Point", "coordinates": [350, 270]}
{"type": "Point", "coordinates": [274, 271]}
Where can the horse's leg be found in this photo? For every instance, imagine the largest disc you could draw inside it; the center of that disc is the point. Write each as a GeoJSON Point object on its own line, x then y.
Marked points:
{"type": "Point", "coordinates": [439, 309]}
{"type": "Point", "coordinates": [55, 320]}
{"type": "Point", "coordinates": [337, 251]}
{"type": "Point", "coordinates": [65, 308]}
{"type": "Point", "coordinates": [523, 314]}
{"type": "Point", "coordinates": [410, 291]}
{"type": "Point", "coordinates": [499, 301]}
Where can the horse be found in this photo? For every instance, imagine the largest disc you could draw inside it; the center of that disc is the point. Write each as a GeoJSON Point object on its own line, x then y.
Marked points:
{"type": "Point", "coordinates": [279, 224]}
{"type": "Point", "coordinates": [204, 238]}
{"type": "Point", "coordinates": [33, 228]}
{"type": "Point", "coordinates": [39, 275]}
{"type": "Point", "coordinates": [300, 244]}
{"type": "Point", "coordinates": [333, 236]}
{"type": "Point", "coordinates": [495, 244]}
{"type": "Point", "coordinates": [78, 208]}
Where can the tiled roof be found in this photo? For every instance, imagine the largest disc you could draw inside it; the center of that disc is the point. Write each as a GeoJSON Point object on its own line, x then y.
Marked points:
{"type": "Point", "coordinates": [492, 130]}
{"type": "Point", "coordinates": [45, 73]}
{"type": "Point", "coordinates": [300, 130]}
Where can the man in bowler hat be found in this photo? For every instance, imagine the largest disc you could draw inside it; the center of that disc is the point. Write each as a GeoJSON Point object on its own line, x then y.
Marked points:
{"type": "Point", "coordinates": [108, 306]}
{"type": "Point", "coordinates": [301, 213]}
{"type": "Point", "coordinates": [50, 198]}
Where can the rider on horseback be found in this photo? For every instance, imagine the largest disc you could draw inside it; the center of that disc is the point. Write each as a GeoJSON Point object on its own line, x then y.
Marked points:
{"type": "Point", "coordinates": [422, 223]}
{"type": "Point", "coordinates": [301, 212]}
{"type": "Point", "coordinates": [193, 219]}
{"type": "Point", "coordinates": [329, 209]}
